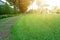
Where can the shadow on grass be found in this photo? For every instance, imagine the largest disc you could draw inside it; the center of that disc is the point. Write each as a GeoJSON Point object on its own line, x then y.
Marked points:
{"type": "Point", "coordinates": [1, 17]}
{"type": "Point", "coordinates": [7, 15]}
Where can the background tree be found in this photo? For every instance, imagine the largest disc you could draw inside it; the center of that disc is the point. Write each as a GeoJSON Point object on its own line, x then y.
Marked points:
{"type": "Point", "coordinates": [5, 9]}
{"type": "Point", "coordinates": [21, 4]}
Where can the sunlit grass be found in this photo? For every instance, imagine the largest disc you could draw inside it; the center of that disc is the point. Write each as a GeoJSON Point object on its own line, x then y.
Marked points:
{"type": "Point", "coordinates": [36, 27]}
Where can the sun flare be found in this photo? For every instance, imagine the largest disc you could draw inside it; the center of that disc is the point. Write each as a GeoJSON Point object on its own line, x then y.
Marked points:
{"type": "Point", "coordinates": [51, 3]}
{"type": "Point", "coordinates": [32, 6]}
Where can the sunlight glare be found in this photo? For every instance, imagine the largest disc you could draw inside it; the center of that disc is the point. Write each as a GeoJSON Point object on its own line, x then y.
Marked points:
{"type": "Point", "coordinates": [33, 6]}
{"type": "Point", "coordinates": [4, 0]}
{"type": "Point", "coordinates": [52, 2]}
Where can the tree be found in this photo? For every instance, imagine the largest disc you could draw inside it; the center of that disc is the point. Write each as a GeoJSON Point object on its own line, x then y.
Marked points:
{"type": "Point", "coordinates": [55, 9]}
{"type": "Point", "coordinates": [21, 4]}
{"type": "Point", "coordinates": [5, 9]}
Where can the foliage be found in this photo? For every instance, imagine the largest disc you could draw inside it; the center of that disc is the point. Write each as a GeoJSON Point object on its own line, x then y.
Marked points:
{"type": "Point", "coordinates": [5, 9]}
{"type": "Point", "coordinates": [55, 10]}
{"type": "Point", "coordinates": [21, 4]}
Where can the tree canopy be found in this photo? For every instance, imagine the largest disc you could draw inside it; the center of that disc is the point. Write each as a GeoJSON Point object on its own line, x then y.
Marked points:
{"type": "Point", "coordinates": [21, 4]}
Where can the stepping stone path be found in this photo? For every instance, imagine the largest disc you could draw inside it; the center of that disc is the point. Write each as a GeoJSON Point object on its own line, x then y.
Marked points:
{"type": "Point", "coordinates": [5, 25]}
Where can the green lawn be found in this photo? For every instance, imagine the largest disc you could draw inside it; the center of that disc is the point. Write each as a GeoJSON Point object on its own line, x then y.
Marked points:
{"type": "Point", "coordinates": [36, 27]}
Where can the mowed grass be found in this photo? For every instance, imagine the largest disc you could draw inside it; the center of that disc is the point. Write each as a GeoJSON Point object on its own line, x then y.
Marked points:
{"type": "Point", "coordinates": [36, 27]}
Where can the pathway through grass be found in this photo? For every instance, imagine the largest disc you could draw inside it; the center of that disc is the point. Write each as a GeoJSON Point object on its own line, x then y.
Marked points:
{"type": "Point", "coordinates": [5, 25]}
